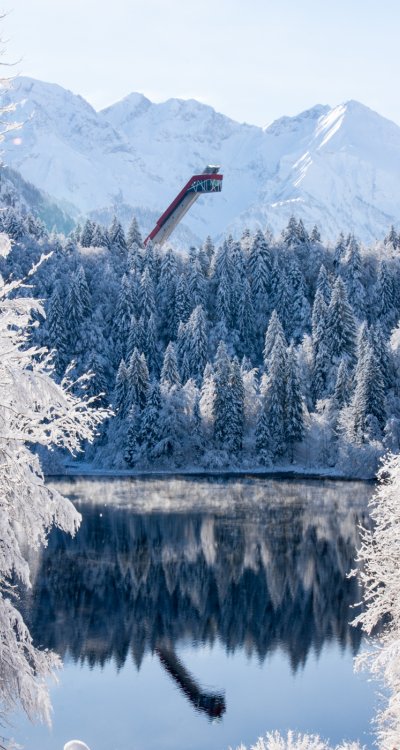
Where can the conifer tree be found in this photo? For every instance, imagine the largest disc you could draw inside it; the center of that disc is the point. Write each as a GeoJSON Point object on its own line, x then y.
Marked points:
{"type": "Point", "coordinates": [150, 423]}
{"type": "Point", "coordinates": [340, 252]}
{"type": "Point", "coordinates": [131, 452]}
{"type": "Point", "coordinates": [135, 278]}
{"type": "Point", "coordinates": [283, 301]}
{"type": "Point", "coordinates": [222, 263]}
{"type": "Point", "coordinates": [294, 410]}
{"type": "Point", "coordinates": [135, 337]}
{"type": "Point", "coordinates": [236, 415]}
{"type": "Point", "coordinates": [290, 234]}
{"type": "Point", "coordinates": [196, 432]}
{"type": "Point", "coordinates": [353, 275]}
{"type": "Point", "coordinates": [275, 282]}
{"type": "Point", "coordinates": [222, 401]}
{"type": "Point", "coordinates": [299, 319]}
{"type": "Point", "coordinates": [84, 292]}
{"type": "Point", "coordinates": [98, 238]}
{"type": "Point", "coordinates": [207, 396]}
{"type": "Point", "coordinates": [238, 279]}
{"type": "Point", "coordinates": [117, 236]}
{"type": "Point", "coordinates": [341, 394]}
{"type": "Point", "coordinates": [87, 233]}
{"type": "Point", "coordinates": [223, 300]}
{"type": "Point", "coordinates": [363, 343]}
{"type": "Point", "coordinates": [260, 267]}
{"type": "Point", "coordinates": [34, 227]}
{"type": "Point", "coordinates": [166, 291]}
{"type": "Point", "coordinates": [321, 346]}
{"type": "Point", "coordinates": [323, 285]}
{"type": "Point", "coordinates": [203, 261]}
{"type": "Point", "coordinates": [302, 233]}
{"type": "Point", "coordinates": [181, 343]}
{"type": "Point", "coordinates": [149, 261]}
{"type": "Point", "coordinates": [76, 233]}
{"type": "Point", "coordinates": [123, 316]}
{"type": "Point", "coordinates": [315, 235]}
{"type": "Point", "coordinates": [274, 401]}
{"type": "Point", "coordinates": [97, 385]}
{"type": "Point", "coordinates": [383, 354]}
{"type": "Point", "coordinates": [274, 330]}
{"type": "Point", "coordinates": [264, 447]}
{"type": "Point", "coordinates": [185, 368]}
{"type": "Point", "coordinates": [182, 303]}
{"type": "Point", "coordinates": [70, 247]}
{"type": "Point", "coordinates": [245, 320]}
{"type": "Point", "coordinates": [209, 248]}
{"type": "Point", "coordinates": [121, 390]}
{"type": "Point", "coordinates": [56, 330]}
{"type": "Point", "coordinates": [341, 325]}
{"type": "Point", "coordinates": [384, 306]}
{"type": "Point", "coordinates": [368, 405]}
{"type": "Point", "coordinates": [135, 260]}
{"type": "Point", "coordinates": [196, 285]}
{"type": "Point", "coordinates": [147, 296]}
{"type": "Point", "coordinates": [134, 236]}
{"type": "Point", "coordinates": [13, 225]}
{"type": "Point", "coordinates": [196, 343]}
{"type": "Point", "coordinates": [169, 372]}
{"type": "Point", "coordinates": [150, 345]}
{"type": "Point", "coordinates": [138, 380]}
{"type": "Point", "coordinates": [392, 238]}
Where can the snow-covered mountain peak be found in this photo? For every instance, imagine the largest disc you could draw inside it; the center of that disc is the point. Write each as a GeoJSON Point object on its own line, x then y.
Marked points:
{"type": "Point", "coordinates": [294, 124]}
{"type": "Point", "coordinates": [127, 108]}
{"type": "Point", "coordinates": [337, 166]}
{"type": "Point", "coordinates": [30, 93]}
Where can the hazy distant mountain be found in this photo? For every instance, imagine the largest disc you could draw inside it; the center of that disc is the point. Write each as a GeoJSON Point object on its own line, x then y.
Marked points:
{"type": "Point", "coordinates": [17, 192]}
{"type": "Point", "coordinates": [336, 167]}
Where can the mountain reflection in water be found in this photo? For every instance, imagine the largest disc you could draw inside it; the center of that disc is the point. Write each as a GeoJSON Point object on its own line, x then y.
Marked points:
{"type": "Point", "coordinates": [264, 569]}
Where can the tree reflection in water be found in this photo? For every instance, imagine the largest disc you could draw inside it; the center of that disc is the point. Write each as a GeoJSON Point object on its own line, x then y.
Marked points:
{"type": "Point", "coordinates": [270, 573]}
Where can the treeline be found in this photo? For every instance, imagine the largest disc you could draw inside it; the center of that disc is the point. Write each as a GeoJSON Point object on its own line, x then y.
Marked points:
{"type": "Point", "coordinates": [259, 352]}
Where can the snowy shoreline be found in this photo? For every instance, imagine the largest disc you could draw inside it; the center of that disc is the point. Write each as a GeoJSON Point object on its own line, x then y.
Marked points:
{"type": "Point", "coordinates": [278, 473]}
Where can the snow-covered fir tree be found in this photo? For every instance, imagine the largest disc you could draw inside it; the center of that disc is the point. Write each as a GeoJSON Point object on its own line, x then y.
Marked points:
{"type": "Point", "coordinates": [274, 401]}
{"type": "Point", "coordinates": [368, 404]}
{"type": "Point", "coordinates": [294, 407]}
{"type": "Point", "coordinates": [341, 325]}
{"type": "Point", "coordinates": [169, 372]}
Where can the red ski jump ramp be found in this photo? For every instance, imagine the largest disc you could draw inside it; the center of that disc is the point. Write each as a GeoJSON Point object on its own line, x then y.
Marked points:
{"type": "Point", "coordinates": [209, 181]}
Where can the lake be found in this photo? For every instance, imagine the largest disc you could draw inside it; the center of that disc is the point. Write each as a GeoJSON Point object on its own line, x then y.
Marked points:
{"type": "Point", "coordinates": [196, 614]}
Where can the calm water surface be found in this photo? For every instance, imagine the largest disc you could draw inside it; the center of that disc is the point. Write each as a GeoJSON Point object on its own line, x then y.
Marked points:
{"type": "Point", "coordinates": [194, 614]}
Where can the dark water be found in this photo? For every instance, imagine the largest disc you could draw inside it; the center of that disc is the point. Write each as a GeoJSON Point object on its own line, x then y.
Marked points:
{"type": "Point", "coordinates": [195, 614]}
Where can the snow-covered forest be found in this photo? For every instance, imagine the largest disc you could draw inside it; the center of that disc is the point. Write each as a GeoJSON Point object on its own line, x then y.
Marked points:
{"type": "Point", "coordinates": [268, 352]}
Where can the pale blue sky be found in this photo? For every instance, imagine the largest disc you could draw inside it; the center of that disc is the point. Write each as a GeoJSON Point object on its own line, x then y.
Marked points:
{"type": "Point", "coordinates": [254, 60]}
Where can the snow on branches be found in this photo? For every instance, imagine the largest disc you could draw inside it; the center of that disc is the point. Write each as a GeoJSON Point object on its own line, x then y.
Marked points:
{"type": "Point", "coordinates": [34, 411]}
{"type": "Point", "coordinates": [379, 558]}
{"type": "Point", "coordinates": [297, 741]}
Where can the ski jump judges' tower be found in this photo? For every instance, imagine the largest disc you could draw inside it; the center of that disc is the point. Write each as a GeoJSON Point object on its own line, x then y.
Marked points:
{"type": "Point", "coordinates": [209, 181]}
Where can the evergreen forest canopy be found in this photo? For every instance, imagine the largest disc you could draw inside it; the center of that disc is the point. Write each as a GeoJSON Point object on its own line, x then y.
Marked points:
{"type": "Point", "coordinates": [263, 352]}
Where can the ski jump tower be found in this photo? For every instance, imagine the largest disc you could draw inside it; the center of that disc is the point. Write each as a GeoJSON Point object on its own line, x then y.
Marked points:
{"type": "Point", "coordinates": [209, 181]}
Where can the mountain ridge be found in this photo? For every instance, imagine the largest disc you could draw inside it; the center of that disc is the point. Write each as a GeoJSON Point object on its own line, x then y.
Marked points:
{"type": "Point", "coordinates": [337, 167]}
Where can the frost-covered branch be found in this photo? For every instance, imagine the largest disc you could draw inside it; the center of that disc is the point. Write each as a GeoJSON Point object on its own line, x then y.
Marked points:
{"type": "Point", "coordinates": [34, 410]}
{"type": "Point", "coordinates": [379, 559]}
{"type": "Point", "coordinates": [297, 741]}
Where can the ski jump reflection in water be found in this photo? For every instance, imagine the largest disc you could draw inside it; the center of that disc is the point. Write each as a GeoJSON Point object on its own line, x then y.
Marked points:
{"type": "Point", "coordinates": [212, 704]}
